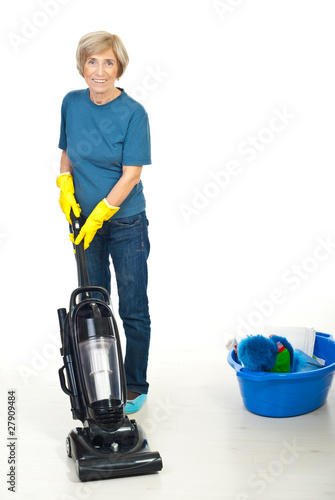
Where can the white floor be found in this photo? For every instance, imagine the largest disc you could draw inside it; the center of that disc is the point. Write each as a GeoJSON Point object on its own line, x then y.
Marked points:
{"type": "Point", "coordinates": [212, 447]}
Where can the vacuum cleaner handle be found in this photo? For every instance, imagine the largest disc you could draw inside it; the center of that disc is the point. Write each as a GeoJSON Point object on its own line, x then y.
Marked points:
{"type": "Point", "coordinates": [80, 253]}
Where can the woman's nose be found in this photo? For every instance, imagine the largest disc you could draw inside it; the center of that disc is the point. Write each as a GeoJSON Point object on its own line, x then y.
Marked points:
{"type": "Point", "coordinates": [100, 68]}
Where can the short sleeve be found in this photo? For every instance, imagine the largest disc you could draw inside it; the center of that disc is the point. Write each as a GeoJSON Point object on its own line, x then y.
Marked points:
{"type": "Point", "coordinates": [62, 139]}
{"type": "Point", "coordinates": [137, 145]}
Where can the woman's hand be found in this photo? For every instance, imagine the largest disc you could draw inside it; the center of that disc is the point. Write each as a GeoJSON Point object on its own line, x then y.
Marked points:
{"type": "Point", "coordinates": [102, 212]}
{"type": "Point", "coordinates": [67, 200]}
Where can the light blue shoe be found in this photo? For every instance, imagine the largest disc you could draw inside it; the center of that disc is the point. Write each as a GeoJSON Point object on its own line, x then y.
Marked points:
{"type": "Point", "coordinates": [136, 404]}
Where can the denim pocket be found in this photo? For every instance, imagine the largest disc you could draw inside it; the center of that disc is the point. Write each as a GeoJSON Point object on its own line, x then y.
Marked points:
{"type": "Point", "coordinates": [127, 221]}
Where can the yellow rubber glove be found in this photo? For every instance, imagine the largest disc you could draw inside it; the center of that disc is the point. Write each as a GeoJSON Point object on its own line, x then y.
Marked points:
{"type": "Point", "coordinates": [67, 199]}
{"type": "Point", "coordinates": [102, 212]}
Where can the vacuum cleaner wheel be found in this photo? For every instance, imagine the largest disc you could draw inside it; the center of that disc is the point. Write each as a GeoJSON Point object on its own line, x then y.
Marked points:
{"type": "Point", "coordinates": [68, 447]}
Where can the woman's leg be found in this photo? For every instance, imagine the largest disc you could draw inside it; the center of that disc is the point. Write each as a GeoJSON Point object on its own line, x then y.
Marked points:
{"type": "Point", "coordinates": [129, 247]}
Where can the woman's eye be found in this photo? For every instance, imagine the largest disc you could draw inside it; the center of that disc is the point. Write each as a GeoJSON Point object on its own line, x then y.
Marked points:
{"type": "Point", "coordinates": [91, 62]}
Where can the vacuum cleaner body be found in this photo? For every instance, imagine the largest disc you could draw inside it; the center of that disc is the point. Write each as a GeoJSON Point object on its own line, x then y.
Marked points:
{"type": "Point", "coordinates": [109, 444]}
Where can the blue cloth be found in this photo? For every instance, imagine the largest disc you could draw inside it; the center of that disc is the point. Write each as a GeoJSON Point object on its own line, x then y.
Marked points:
{"type": "Point", "coordinates": [99, 140]}
{"type": "Point", "coordinates": [126, 241]}
{"type": "Point", "coordinates": [308, 363]}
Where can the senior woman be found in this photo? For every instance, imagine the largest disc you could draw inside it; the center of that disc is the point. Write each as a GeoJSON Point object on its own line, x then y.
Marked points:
{"type": "Point", "coordinates": [105, 141]}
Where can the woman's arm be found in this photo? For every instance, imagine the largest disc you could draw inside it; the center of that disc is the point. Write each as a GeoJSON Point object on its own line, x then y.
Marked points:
{"type": "Point", "coordinates": [130, 177]}
{"type": "Point", "coordinates": [65, 164]}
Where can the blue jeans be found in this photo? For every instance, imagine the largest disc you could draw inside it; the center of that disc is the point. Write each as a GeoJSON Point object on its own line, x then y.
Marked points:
{"type": "Point", "coordinates": [126, 241]}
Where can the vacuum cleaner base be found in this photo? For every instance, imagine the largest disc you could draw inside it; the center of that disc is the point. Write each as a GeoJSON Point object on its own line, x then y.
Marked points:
{"type": "Point", "coordinates": [94, 463]}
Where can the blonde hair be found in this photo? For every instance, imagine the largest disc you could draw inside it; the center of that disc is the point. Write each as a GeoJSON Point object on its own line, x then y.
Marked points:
{"type": "Point", "coordinates": [97, 42]}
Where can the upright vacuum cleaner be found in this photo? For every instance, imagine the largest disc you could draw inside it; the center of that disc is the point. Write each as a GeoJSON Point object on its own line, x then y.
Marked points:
{"type": "Point", "coordinates": [108, 445]}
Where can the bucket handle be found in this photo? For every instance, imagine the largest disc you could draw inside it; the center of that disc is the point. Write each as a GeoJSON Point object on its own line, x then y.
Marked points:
{"type": "Point", "coordinates": [325, 335]}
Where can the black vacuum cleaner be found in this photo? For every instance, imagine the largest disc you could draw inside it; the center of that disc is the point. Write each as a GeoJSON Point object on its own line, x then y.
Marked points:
{"type": "Point", "coordinates": [109, 444]}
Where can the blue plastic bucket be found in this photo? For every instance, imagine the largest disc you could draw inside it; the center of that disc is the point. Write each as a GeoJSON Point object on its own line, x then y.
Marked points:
{"type": "Point", "coordinates": [287, 394]}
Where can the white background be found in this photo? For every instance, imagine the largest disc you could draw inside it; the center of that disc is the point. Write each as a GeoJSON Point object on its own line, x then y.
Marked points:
{"type": "Point", "coordinates": [218, 74]}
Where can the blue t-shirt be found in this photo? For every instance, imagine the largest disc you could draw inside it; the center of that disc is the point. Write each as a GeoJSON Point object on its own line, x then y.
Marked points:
{"type": "Point", "coordinates": [99, 140]}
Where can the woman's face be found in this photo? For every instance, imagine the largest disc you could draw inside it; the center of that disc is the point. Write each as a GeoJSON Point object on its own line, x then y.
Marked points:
{"type": "Point", "coordinates": [100, 71]}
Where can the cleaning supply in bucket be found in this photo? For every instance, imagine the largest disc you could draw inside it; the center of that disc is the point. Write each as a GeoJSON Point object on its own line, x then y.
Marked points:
{"type": "Point", "coordinates": [300, 337]}
{"type": "Point", "coordinates": [273, 354]}
{"type": "Point", "coordinates": [310, 362]}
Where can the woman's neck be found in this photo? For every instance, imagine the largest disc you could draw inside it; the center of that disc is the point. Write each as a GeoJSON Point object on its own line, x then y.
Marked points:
{"type": "Point", "coordinates": [104, 97]}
